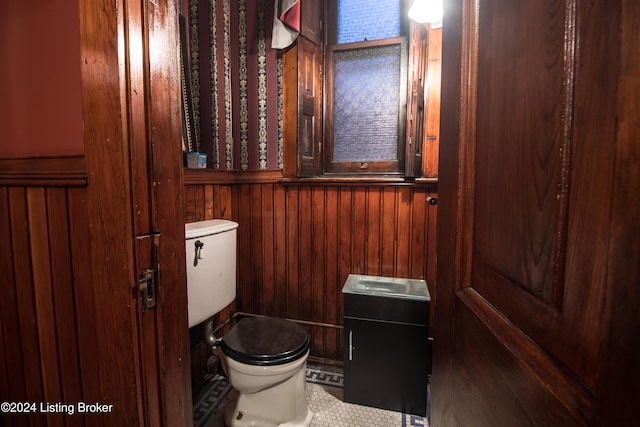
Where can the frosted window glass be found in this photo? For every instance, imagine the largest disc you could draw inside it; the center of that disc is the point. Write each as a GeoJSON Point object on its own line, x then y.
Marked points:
{"type": "Point", "coordinates": [371, 20]}
{"type": "Point", "coordinates": [366, 104]}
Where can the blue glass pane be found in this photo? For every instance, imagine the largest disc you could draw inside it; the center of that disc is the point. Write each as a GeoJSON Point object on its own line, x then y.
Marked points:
{"type": "Point", "coordinates": [366, 104]}
{"type": "Point", "coordinates": [365, 19]}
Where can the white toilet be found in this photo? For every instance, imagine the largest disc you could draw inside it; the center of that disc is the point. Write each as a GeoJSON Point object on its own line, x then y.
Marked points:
{"type": "Point", "coordinates": [265, 358]}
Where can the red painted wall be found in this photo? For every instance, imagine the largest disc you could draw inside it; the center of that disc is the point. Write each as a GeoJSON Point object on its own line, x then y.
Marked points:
{"type": "Point", "coordinates": [40, 90]}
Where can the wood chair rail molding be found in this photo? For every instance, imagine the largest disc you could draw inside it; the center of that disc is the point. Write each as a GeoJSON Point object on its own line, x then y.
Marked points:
{"type": "Point", "coordinates": [51, 171]}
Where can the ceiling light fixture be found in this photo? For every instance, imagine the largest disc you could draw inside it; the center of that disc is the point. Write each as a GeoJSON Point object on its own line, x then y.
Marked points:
{"type": "Point", "coordinates": [426, 11]}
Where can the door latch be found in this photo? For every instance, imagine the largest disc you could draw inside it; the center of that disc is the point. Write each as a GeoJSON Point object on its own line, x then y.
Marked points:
{"type": "Point", "coordinates": [147, 288]}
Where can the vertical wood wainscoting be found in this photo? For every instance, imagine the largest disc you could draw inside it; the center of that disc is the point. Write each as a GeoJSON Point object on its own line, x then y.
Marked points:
{"type": "Point", "coordinates": [298, 242]}
{"type": "Point", "coordinates": [44, 309]}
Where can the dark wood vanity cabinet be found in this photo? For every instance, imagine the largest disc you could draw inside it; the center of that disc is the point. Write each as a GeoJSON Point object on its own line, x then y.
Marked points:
{"type": "Point", "coordinates": [387, 357]}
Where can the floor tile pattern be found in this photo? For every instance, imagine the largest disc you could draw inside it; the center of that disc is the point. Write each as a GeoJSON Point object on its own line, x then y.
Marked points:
{"type": "Point", "coordinates": [324, 394]}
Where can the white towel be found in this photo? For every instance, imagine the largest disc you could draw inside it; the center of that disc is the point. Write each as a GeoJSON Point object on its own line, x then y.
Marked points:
{"type": "Point", "coordinates": [286, 23]}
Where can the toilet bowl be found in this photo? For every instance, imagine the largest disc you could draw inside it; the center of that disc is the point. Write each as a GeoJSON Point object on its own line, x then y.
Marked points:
{"type": "Point", "coordinates": [264, 358]}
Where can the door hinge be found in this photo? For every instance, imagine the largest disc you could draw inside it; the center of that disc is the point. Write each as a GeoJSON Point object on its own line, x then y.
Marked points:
{"type": "Point", "coordinates": [147, 288]}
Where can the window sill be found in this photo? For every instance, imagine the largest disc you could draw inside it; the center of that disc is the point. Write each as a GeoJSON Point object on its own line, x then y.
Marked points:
{"type": "Point", "coordinates": [371, 180]}
{"type": "Point", "coordinates": [210, 176]}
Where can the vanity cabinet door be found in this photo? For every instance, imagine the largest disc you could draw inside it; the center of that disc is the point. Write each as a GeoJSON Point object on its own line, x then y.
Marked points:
{"type": "Point", "coordinates": [386, 365]}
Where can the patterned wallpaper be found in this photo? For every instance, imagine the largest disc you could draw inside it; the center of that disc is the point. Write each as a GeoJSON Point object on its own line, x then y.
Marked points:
{"type": "Point", "coordinates": [235, 77]}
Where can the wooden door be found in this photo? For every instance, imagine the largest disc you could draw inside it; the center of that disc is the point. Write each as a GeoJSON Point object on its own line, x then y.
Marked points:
{"type": "Point", "coordinates": [77, 229]}
{"type": "Point", "coordinates": [537, 249]}
{"type": "Point", "coordinates": [132, 131]}
{"type": "Point", "coordinates": [154, 109]}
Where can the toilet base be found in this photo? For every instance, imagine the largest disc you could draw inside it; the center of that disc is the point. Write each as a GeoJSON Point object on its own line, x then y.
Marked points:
{"type": "Point", "coordinates": [231, 419]}
{"type": "Point", "coordinates": [283, 405]}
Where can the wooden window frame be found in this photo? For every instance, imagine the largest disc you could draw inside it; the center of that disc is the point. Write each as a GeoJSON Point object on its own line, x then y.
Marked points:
{"type": "Point", "coordinates": [389, 167]}
{"type": "Point", "coordinates": [304, 86]}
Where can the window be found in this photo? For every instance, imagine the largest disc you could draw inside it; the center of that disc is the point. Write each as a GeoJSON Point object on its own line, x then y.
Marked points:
{"type": "Point", "coordinates": [366, 82]}
{"type": "Point", "coordinates": [360, 92]}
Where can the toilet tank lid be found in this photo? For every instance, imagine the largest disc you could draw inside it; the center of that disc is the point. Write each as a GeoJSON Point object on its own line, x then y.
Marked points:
{"type": "Point", "coordinates": [209, 227]}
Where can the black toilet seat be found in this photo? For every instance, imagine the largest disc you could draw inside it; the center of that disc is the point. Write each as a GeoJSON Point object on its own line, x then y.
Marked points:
{"type": "Point", "coordinates": [265, 341]}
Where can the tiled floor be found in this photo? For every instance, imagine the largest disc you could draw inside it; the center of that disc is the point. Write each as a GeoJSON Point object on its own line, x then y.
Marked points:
{"type": "Point", "coordinates": [324, 394]}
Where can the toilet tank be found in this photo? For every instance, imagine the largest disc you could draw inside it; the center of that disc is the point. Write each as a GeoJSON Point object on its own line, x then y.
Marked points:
{"type": "Point", "coordinates": [211, 267]}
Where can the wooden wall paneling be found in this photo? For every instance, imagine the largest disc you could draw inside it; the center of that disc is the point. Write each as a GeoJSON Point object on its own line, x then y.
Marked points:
{"type": "Point", "coordinates": [25, 297]}
{"type": "Point", "coordinates": [358, 230]}
{"type": "Point", "coordinates": [83, 295]}
{"type": "Point", "coordinates": [372, 210]}
{"type": "Point", "coordinates": [404, 224]}
{"type": "Point", "coordinates": [63, 297]}
{"type": "Point", "coordinates": [189, 203]}
{"type": "Point", "coordinates": [198, 350]}
{"type": "Point", "coordinates": [298, 243]}
{"type": "Point", "coordinates": [388, 239]}
{"type": "Point", "coordinates": [8, 292]}
{"type": "Point", "coordinates": [208, 202]}
{"type": "Point", "coordinates": [13, 369]}
{"type": "Point", "coordinates": [305, 258]}
{"type": "Point", "coordinates": [345, 232]}
{"type": "Point", "coordinates": [43, 298]}
{"type": "Point", "coordinates": [225, 209]}
{"type": "Point", "coordinates": [256, 267]}
{"type": "Point", "coordinates": [221, 196]}
{"type": "Point", "coordinates": [199, 202]}
{"type": "Point", "coordinates": [280, 250]}
{"type": "Point", "coordinates": [318, 253]}
{"type": "Point", "coordinates": [268, 243]}
{"type": "Point", "coordinates": [4, 375]}
{"type": "Point", "coordinates": [244, 296]}
{"type": "Point", "coordinates": [418, 234]}
{"type": "Point", "coordinates": [332, 279]}
{"type": "Point", "coordinates": [293, 246]}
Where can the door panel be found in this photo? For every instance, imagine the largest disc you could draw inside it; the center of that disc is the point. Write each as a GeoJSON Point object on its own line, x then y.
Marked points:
{"type": "Point", "coordinates": [309, 109]}
{"type": "Point", "coordinates": [526, 120]}
{"type": "Point", "coordinates": [521, 135]}
{"type": "Point", "coordinates": [528, 163]}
